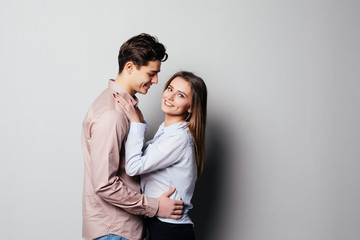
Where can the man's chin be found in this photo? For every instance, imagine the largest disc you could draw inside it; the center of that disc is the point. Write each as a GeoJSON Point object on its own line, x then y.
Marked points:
{"type": "Point", "coordinates": [144, 90]}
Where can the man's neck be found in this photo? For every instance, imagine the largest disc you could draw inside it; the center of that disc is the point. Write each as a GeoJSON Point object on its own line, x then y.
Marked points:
{"type": "Point", "coordinates": [123, 82]}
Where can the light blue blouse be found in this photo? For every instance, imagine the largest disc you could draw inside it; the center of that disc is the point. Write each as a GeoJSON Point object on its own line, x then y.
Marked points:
{"type": "Point", "coordinates": [165, 161]}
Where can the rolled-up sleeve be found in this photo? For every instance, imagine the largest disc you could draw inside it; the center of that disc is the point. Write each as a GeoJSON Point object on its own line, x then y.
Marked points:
{"type": "Point", "coordinates": [105, 141]}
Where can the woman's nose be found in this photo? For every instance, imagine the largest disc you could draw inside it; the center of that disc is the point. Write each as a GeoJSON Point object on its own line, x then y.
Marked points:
{"type": "Point", "coordinates": [171, 96]}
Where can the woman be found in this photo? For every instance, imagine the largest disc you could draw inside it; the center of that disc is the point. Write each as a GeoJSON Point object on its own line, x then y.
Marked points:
{"type": "Point", "coordinates": [175, 156]}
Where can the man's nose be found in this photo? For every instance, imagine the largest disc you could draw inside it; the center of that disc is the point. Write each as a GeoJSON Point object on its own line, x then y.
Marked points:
{"type": "Point", "coordinates": [155, 80]}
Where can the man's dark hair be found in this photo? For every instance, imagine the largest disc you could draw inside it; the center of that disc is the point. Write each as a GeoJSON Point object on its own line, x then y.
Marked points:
{"type": "Point", "coordinates": [140, 50]}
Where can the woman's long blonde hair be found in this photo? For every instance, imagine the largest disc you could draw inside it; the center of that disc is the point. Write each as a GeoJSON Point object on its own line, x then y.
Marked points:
{"type": "Point", "coordinates": [197, 116]}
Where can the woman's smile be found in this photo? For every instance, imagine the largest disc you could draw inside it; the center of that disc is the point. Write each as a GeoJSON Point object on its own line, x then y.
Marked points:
{"type": "Point", "coordinates": [168, 104]}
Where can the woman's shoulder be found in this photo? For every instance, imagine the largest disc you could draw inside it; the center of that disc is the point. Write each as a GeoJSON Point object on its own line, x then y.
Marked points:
{"type": "Point", "coordinates": [184, 135]}
{"type": "Point", "coordinates": [181, 134]}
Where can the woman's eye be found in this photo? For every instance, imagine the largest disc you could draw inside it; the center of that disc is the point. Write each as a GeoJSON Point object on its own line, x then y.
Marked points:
{"type": "Point", "coordinates": [180, 95]}
{"type": "Point", "coordinates": [169, 89]}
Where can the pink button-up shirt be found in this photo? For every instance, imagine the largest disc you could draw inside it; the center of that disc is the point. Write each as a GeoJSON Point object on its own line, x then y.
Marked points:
{"type": "Point", "coordinates": [112, 203]}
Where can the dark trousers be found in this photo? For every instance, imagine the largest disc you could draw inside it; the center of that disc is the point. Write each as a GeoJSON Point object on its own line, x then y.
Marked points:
{"type": "Point", "coordinates": [159, 230]}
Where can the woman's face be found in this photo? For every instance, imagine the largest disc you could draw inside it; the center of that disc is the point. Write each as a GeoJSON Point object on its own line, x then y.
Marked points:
{"type": "Point", "coordinates": [176, 99]}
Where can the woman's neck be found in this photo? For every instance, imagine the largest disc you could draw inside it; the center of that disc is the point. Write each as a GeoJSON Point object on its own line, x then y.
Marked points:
{"type": "Point", "coordinates": [170, 119]}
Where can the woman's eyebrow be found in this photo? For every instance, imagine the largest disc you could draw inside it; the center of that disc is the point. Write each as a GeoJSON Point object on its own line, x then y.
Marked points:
{"type": "Point", "coordinates": [178, 90]}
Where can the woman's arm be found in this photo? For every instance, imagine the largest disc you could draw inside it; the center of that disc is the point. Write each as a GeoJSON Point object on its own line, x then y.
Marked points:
{"type": "Point", "coordinates": [158, 154]}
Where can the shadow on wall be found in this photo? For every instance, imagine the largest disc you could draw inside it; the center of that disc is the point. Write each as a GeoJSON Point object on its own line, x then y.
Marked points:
{"type": "Point", "coordinates": [208, 199]}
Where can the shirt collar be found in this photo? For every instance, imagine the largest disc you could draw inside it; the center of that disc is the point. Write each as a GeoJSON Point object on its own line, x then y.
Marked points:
{"type": "Point", "coordinates": [173, 127]}
{"type": "Point", "coordinates": [118, 89]}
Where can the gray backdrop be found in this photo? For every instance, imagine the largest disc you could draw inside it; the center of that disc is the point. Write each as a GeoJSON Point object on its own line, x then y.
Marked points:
{"type": "Point", "coordinates": [283, 136]}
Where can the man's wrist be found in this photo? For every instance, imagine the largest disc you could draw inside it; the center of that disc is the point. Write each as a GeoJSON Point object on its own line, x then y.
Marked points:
{"type": "Point", "coordinates": [152, 207]}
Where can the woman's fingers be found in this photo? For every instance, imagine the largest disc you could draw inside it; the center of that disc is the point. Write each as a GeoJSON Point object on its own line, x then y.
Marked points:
{"type": "Point", "coordinates": [127, 107]}
{"type": "Point", "coordinates": [121, 101]}
{"type": "Point", "coordinates": [119, 98]}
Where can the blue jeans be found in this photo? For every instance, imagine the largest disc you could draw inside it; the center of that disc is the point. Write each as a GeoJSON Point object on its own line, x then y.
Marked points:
{"type": "Point", "coordinates": [110, 237]}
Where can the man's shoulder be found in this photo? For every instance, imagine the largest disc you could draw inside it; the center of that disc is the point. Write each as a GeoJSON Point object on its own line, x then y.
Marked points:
{"type": "Point", "coordinates": [105, 104]}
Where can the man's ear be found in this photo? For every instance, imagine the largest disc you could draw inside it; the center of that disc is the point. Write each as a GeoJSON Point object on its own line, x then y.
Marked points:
{"type": "Point", "coordinates": [129, 67]}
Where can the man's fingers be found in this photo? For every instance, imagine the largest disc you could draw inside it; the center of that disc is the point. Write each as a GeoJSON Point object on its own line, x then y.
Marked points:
{"type": "Point", "coordinates": [178, 212]}
{"type": "Point", "coordinates": [179, 202]}
{"type": "Point", "coordinates": [172, 208]}
{"type": "Point", "coordinates": [179, 207]}
{"type": "Point", "coordinates": [170, 192]}
{"type": "Point", "coordinates": [175, 216]}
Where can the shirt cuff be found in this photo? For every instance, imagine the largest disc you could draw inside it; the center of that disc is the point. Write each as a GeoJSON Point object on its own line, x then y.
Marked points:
{"type": "Point", "coordinates": [153, 206]}
{"type": "Point", "coordinates": [138, 128]}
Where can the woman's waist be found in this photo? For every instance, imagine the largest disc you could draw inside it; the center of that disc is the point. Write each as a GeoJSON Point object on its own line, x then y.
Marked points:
{"type": "Point", "coordinates": [184, 220]}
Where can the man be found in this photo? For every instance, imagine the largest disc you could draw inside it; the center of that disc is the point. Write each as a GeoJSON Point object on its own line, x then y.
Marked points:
{"type": "Point", "coordinates": [112, 203]}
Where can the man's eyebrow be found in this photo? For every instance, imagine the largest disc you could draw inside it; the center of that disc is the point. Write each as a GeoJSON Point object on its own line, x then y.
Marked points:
{"type": "Point", "coordinates": [155, 71]}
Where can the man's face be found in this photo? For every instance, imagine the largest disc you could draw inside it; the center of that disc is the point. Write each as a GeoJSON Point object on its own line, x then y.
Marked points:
{"type": "Point", "coordinates": [144, 77]}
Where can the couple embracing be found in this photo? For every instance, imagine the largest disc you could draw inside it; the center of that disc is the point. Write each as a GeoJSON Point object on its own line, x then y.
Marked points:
{"type": "Point", "coordinates": [129, 184]}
